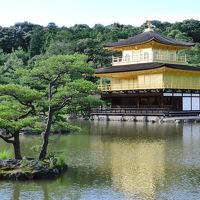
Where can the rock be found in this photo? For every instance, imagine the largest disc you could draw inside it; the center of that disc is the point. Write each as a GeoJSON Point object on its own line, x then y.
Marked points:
{"type": "Point", "coordinates": [35, 165]}
{"type": "Point", "coordinates": [28, 158]}
{"type": "Point", "coordinates": [1, 164]}
{"type": "Point", "coordinates": [52, 161]}
{"type": "Point", "coordinates": [10, 161]}
{"type": "Point", "coordinates": [56, 171]}
{"type": "Point", "coordinates": [29, 175]}
{"type": "Point", "coordinates": [30, 169]}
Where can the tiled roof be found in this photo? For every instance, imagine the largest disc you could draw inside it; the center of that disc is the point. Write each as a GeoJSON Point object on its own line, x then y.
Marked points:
{"type": "Point", "coordinates": [144, 66]}
{"type": "Point", "coordinates": [146, 37]}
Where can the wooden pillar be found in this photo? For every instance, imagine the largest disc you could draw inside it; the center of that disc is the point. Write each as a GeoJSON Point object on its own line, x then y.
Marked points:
{"type": "Point", "coordinates": [161, 100]}
{"type": "Point", "coordinates": [138, 102]}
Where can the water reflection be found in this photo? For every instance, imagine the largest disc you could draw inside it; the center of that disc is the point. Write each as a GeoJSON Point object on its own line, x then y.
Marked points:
{"type": "Point", "coordinates": [136, 154]}
{"type": "Point", "coordinates": [114, 160]}
{"type": "Point", "coordinates": [135, 130]}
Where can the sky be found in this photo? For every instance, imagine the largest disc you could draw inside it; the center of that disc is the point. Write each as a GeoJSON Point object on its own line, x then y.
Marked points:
{"type": "Point", "coordinates": [91, 12]}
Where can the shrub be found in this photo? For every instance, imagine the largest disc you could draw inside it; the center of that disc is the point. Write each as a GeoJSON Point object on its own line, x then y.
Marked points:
{"type": "Point", "coordinates": [4, 155]}
{"type": "Point", "coordinates": [36, 148]}
{"type": "Point", "coordinates": [24, 162]}
{"type": "Point", "coordinates": [57, 159]}
{"type": "Point", "coordinates": [60, 161]}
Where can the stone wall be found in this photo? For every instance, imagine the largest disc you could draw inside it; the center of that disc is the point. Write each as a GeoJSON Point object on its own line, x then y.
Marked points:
{"type": "Point", "coordinates": [126, 118]}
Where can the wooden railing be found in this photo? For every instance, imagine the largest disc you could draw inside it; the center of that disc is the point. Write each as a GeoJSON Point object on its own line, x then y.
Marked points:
{"type": "Point", "coordinates": [167, 111]}
{"type": "Point", "coordinates": [152, 57]}
{"type": "Point", "coordinates": [117, 87]}
{"type": "Point", "coordinates": [131, 111]}
{"type": "Point", "coordinates": [150, 85]}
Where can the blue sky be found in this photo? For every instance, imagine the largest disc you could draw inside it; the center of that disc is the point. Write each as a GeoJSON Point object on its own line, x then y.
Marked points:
{"type": "Point", "coordinates": [70, 12]}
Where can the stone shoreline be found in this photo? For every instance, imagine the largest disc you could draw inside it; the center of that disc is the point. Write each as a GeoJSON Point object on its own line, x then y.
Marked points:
{"type": "Point", "coordinates": [29, 169]}
{"type": "Point", "coordinates": [140, 118]}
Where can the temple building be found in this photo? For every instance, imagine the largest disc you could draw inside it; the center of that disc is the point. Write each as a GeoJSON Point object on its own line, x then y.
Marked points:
{"type": "Point", "coordinates": [152, 74]}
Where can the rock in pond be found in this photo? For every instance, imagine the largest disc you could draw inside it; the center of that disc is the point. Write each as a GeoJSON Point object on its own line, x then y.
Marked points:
{"type": "Point", "coordinates": [28, 169]}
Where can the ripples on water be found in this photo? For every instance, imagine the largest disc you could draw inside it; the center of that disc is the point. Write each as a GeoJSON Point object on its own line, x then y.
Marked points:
{"type": "Point", "coordinates": [114, 160]}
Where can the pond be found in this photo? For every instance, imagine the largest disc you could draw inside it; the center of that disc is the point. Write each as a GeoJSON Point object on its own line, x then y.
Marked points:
{"type": "Point", "coordinates": [118, 160]}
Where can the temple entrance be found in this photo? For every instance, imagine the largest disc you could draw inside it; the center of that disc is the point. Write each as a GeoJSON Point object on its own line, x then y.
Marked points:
{"type": "Point", "coordinates": [137, 102]}
{"type": "Point", "coordinates": [177, 103]}
{"type": "Point", "coordinates": [154, 100]}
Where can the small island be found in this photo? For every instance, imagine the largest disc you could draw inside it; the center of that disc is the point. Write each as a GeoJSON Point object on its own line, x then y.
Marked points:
{"type": "Point", "coordinates": [29, 168]}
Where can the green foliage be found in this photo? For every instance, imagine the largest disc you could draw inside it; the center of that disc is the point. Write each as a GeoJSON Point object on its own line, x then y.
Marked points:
{"type": "Point", "coordinates": [80, 87]}
{"type": "Point", "coordinates": [56, 159]}
{"type": "Point", "coordinates": [39, 125]}
{"type": "Point", "coordinates": [37, 42]}
{"type": "Point", "coordinates": [21, 93]}
{"type": "Point", "coordinates": [60, 161]}
{"type": "Point", "coordinates": [80, 38]}
{"type": "Point", "coordinates": [191, 28]}
{"type": "Point", "coordinates": [15, 104]}
{"type": "Point", "coordinates": [7, 71]}
{"type": "Point", "coordinates": [24, 162]}
{"type": "Point", "coordinates": [83, 105]}
{"type": "Point", "coordinates": [61, 44]}
{"type": "Point", "coordinates": [65, 65]}
{"type": "Point", "coordinates": [13, 63]}
{"type": "Point", "coordinates": [65, 74]}
{"type": "Point", "coordinates": [16, 36]}
{"type": "Point", "coordinates": [193, 55]}
{"type": "Point", "coordinates": [61, 125]}
{"type": "Point", "coordinates": [36, 148]}
{"type": "Point", "coordinates": [4, 155]}
{"type": "Point", "coordinates": [3, 57]}
{"type": "Point", "coordinates": [178, 35]}
{"type": "Point", "coordinates": [22, 55]}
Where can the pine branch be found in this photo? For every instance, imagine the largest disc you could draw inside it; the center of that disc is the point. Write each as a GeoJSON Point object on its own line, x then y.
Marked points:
{"type": "Point", "coordinates": [62, 105]}
{"type": "Point", "coordinates": [7, 138]}
{"type": "Point", "coordinates": [18, 99]}
{"type": "Point", "coordinates": [31, 111]}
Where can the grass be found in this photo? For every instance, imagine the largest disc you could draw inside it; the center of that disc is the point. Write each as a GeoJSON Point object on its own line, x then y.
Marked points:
{"type": "Point", "coordinates": [4, 155]}
{"type": "Point", "coordinates": [61, 161]}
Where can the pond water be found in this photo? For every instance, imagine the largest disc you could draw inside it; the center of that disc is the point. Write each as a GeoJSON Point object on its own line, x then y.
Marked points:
{"type": "Point", "coordinates": [118, 160]}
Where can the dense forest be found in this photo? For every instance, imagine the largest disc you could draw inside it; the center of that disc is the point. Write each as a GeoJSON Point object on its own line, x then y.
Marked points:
{"type": "Point", "coordinates": [24, 43]}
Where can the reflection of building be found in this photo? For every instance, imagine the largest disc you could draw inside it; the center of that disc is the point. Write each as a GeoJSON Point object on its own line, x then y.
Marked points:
{"type": "Point", "coordinates": [151, 74]}
{"type": "Point", "coordinates": [136, 165]}
{"type": "Point", "coordinates": [135, 154]}
{"type": "Point", "coordinates": [191, 139]}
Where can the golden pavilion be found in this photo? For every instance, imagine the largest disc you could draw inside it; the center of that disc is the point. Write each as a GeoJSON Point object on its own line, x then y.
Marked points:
{"type": "Point", "coordinates": [151, 76]}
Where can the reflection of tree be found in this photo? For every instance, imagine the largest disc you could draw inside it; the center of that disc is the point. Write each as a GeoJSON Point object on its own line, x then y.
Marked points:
{"type": "Point", "coordinates": [45, 191]}
{"type": "Point", "coordinates": [26, 187]}
{"type": "Point", "coordinates": [16, 191]}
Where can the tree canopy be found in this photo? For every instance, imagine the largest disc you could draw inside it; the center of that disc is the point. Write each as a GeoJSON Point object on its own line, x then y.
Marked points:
{"type": "Point", "coordinates": [51, 40]}
{"type": "Point", "coordinates": [41, 96]}
{"type": "Point", "coordinates": [17, 111]}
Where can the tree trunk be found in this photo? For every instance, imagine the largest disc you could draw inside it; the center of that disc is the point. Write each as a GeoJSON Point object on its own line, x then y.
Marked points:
{"type": "Point", "coordinates": [43, 151]}
{"type": "Point", "coordinates": [16, 145]}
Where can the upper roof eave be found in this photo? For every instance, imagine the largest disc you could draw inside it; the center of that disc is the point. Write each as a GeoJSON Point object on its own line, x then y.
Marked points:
{"type": "Point", "coordinates": [148, 37]}
{"type": "Point", "coordinates": [128, 45]}
{"type": "Point", "coordinates": [144, 66]}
